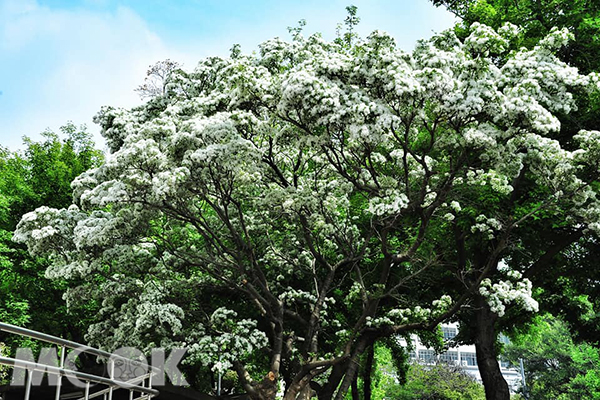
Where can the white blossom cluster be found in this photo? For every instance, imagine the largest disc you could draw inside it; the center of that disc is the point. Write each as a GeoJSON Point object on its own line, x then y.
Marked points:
{"type": "Point", "coordinates": [354, 293]}
{"type": "Point", "coordinates": [502, 293]}
{"type": "Point", "coordinates": [589, 151]}
{"type": "Point", "coordinates": [484, 39]}
{"type": "Point", "coordinates": [487, 226]}
{"type": "Point", "coordinates": [224, 341]}
{"type": "Point", "coordinates": [393, 203]}
{"type": "Point", "coordinates": [291, 296]}
{"type": "Point", "coordinates": [411, 315]}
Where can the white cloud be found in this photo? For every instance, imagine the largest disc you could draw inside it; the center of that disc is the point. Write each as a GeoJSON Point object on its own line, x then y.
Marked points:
{"type": "Point", "coordinates": [96, 58]}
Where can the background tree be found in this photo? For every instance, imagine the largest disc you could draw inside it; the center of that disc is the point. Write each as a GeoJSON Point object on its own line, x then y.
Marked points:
{"type": "Point", "coordinates": [156, 78]}
{"type": "Point", "coordinates": [40, 174]}
{"type": "Point", "coordinates": [555, 366]}
{"type": "Point", "coordinates": [436, 382]}
{"type": "Point", "coordinates": [537, 19]}
{"type": "Point", "coordinates": [343, 189]}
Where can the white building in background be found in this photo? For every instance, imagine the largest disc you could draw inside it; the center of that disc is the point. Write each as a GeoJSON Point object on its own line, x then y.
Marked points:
{"type": "Point", "coordinates": [463, 355]}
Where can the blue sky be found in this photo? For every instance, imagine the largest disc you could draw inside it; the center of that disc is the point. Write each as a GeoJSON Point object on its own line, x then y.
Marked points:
{"type": "Point", "coordinates": [62, 60]}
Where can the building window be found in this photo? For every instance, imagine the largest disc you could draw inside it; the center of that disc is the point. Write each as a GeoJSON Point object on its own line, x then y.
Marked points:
{"type": "Point", "coordinates": [469, 358]}
{"type": "Point", "coordinates": [504, 363]}
{"type": "Point", "coordinates": [427, 356]}
{"type": "Point", "coordinates": [412, 355]}
{"type": "Point", "coordinates": [449, 357]}
{"type": "Point", "coordinates": [449, 332]}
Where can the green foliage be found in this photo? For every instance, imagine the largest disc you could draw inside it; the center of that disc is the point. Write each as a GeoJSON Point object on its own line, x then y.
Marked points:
{"type": "Point", "coordinates": [39, 175]}
{"type": "Point", "coordinates": [433, 339]}
{"type": "Point", "coordinates": [390, 367]}
{"type": "Point", "coordinates": [537, 18]}
{"type": "Point", "coordinates": [555, 366]}
{"type": "Point", "coordinates": [437, 382]}
{"type": "Point", "coordinates": [42, 174]}
{"type": "Point", "coordinates": [296, 31]}
{"type": "Point", "coordinates": [352, 20]}
{"type": "Point", "coordinates": [399, 357]}
{"type": "Point", "coordinates": [3, 369]}
{"type": "Point", "coordinates": [383, 373]}
{"type": "Point", "coordinates": [393, 377]}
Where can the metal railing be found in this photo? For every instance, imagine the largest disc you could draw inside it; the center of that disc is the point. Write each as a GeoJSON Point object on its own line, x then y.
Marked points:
{"type": "Point", "coordinates": [134, 385]}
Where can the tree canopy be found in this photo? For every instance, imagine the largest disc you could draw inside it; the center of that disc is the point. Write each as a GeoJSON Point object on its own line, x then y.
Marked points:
{"type": "Point", "coordinates": [537, 19]}
{"type": "Point", "coordinates": [567, 279]}
{"type": "Point", "coordinates": [555, 366]}
{"type": "Point", "coordinates": [437, 382]}
{"type": "Point", "coordinates": [346, 191]}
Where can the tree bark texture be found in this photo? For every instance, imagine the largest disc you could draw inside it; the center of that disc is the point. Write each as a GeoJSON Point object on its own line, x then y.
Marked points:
{"type": "Point", "coordinates": [368, 369]}
{"type": "Point", "coordinates": [495, 385]}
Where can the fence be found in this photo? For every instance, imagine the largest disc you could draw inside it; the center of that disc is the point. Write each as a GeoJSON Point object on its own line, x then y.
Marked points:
{"type": "Point", "coordinates": [136, 386]}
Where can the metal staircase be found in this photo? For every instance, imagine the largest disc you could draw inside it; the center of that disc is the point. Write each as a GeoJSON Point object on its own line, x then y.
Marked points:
{"type": "Point", "coordinates": [140, 386]}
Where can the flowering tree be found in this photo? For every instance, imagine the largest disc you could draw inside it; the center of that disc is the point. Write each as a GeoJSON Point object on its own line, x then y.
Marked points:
{"type": "Point", "coordinates": [279, 213]}
{"type": "Point", "coordinates": [156, 78]}
{"type": "Point", "coordinates": [537, 19]}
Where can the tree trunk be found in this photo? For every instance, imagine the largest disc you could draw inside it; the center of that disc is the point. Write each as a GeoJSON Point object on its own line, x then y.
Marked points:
{"type": "Point", "coordinates": [300, 388]}
{"type": "Point", "coordinates": [355, 394]}
{"type": "Point", "coordinates": [306, 393]}
{"type": "Point", "coordinates": [352, 369]}
{"type": "Point", "coordinates": [495, 385]}
{"type": "Point", "coordinates": [337, 373]}
{"type": "Point", "coordinates": [265, 389]}
{"type": "Point", "coordinates": [368, 369]}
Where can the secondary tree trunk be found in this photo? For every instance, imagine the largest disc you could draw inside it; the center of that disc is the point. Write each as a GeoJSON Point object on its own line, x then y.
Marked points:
{"type": "Point", "coordinates": [306, 393]}
{"type": "Point", "coordinates": [337, 373]}
{"type": "Point", "coordinates": [495, 385]}
{"type": "Point", "coordinates": [352, 370]}
{"type": "Point", "coordinates": [265, 389]}
{"type": "Point", "coordinates": [368, 370]}
{"type": "Point", "coordinates": [355, 394]}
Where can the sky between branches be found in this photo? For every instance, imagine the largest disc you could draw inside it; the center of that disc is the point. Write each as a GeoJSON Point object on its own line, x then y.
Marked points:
{"type": "Point", "coordinates": [62, 60]}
